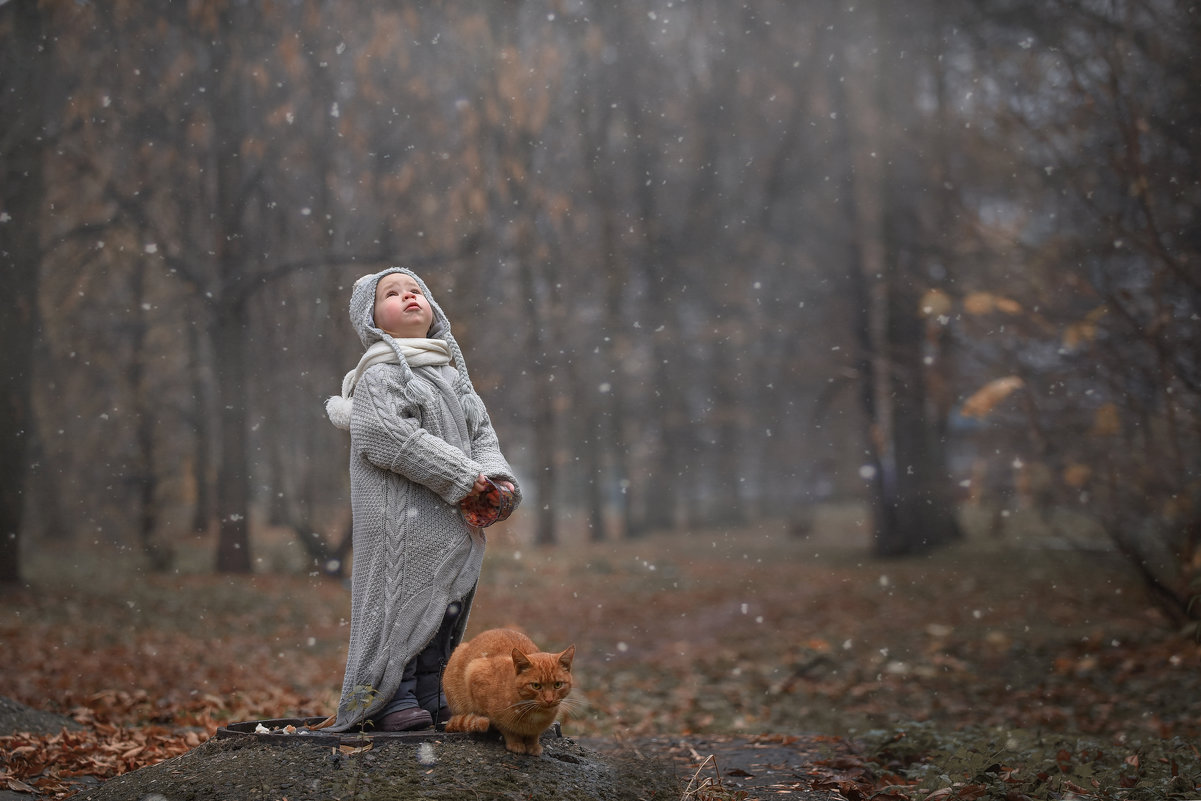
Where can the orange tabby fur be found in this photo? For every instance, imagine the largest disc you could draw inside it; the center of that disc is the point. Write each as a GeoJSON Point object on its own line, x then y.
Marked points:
{"type": "Point", "coordinates": [499, 678]}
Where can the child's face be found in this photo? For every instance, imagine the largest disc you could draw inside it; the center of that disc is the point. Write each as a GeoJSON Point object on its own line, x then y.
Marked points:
{"type": "Point", "coordinates": [400, 307]}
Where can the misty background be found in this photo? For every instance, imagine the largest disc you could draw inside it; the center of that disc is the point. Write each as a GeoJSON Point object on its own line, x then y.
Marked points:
{"type": "Point", "coordinates": [711, 264]}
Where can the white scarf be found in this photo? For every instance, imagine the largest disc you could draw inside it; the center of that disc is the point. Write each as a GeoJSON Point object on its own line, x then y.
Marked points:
{"type": "Point", "coordinates": [416, 352]}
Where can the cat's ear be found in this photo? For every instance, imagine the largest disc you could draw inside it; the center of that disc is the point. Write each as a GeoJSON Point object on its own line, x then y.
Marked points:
{"type": "Point", "coordinates": [521, 661]}
{"type": "Point", "coordinates": [566, 657]}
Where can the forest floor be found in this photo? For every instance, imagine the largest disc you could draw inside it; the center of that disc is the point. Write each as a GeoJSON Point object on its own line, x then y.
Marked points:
{"type": "Point", "coordinates": [754, 662]}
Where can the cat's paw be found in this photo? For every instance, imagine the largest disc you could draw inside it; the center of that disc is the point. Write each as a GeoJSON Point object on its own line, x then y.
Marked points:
{"type": "Point", "coordinates": [523, 745]}
{"type": "Point", "coordinates": [468, 722]}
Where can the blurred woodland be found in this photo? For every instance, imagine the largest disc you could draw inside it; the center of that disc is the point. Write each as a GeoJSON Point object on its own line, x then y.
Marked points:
{"type": "Point", "coordinates": [709, 262]}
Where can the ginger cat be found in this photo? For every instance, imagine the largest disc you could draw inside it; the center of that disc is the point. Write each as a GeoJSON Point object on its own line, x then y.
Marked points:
{"type": "Point", "coordinates": [500, 678]}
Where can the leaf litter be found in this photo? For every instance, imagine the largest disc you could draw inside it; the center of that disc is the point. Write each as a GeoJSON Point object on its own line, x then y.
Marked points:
{"type": "Point", "coordinates": [911, 675]}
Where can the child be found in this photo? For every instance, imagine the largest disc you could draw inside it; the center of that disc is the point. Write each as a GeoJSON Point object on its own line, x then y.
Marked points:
{"type": "Point", "coordinates": [420, 442]}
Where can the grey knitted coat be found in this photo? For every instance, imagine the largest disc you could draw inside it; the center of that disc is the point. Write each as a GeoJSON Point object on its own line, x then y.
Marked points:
{"type": "Point", "coordinates": [418, 439]}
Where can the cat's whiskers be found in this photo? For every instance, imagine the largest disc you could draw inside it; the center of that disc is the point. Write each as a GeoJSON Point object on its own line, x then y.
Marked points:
{"type": "Point", "coordinates": [520, 707]}
{"type": "Point", "coordinates": [570, 707]}
{"type": "Point", "coordinates": [572, 704]}
{"type": "Point", "coordinates": [524, 708]}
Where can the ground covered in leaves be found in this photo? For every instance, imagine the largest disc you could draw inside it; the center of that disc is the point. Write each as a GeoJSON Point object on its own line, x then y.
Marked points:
{"type": "Point", "coordinates": [743, 662]}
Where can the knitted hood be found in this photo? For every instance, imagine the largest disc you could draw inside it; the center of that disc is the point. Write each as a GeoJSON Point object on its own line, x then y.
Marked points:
{"type": "Point", "coordinates": [362, 308]}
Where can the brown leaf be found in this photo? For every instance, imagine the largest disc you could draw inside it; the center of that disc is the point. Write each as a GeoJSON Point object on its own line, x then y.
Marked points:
{"type": "Point", "coordinates": [980, 303]}
{"type": "Point", "coordinates": [984, 400]}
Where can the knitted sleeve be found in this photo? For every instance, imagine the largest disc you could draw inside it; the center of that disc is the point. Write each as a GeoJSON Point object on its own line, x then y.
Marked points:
{"type": "Point", "coordinates": [485, 448]}
{"type": "Point", "coordinates": [387, 433]}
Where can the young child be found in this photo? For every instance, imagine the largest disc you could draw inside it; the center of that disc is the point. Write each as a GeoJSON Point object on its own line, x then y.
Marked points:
{"type": "Point", "coordinates": [420, 442]}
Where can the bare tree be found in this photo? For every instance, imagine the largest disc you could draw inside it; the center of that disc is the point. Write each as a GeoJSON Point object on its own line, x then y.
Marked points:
{"type": "Point", "coordinates": [1103, 372]}
{"type": "Point", "coordinates": [25, 66]}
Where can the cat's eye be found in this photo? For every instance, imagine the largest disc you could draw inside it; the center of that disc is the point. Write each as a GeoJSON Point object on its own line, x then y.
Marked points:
{"type": "Point", "coordinates": [558, 685]}
{"type": "Point", "coordinates": [535, 685]}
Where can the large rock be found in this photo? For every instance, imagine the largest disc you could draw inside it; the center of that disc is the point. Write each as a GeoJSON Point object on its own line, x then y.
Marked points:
{"type": "Point", "coordinates": [439, 767]}
{"type": "Point", "coordinates": [15, 717]}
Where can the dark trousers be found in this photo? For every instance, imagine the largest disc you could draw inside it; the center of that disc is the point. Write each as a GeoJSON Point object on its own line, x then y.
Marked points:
{"type": "Point", "coordinates": [421, 682]}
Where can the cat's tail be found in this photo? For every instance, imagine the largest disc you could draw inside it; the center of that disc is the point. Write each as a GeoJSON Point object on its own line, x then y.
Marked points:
{"type": "Point", "coordinates": [468, 722]}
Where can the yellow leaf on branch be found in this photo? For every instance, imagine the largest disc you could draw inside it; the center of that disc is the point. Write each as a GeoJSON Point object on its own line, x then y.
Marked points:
{"type": "Point", "coordinates": [984, 400]}
{"type": "Point", "coordinates": [1084, 330]}
{"type": "Point", "coordinates": [1077, 475]}
{"type": "Point", "coordinates": [978, 303]}
{"type": "Point", "coordinates": [935, 303]}
{"type": "Point", "coordinates": [1106, 421]}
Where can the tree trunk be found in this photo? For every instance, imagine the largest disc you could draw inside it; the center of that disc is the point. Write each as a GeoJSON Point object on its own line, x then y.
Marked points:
{"type": "Point", "coordinates": [609, 425]}
{"type": "Point", "coordinates": [923, 509]}
{"type": "Point", "coordinates": [723, 484]}
{"type": "Point", "coordinates": [860, 195]}
{"type": "Point", "coordinates": [230, 299]}
{"type": "Point", "coordinates": [918, 487]}
{"type": "Point", "coordinates": [158, 555]}
{"type": "Point", "coordinates": [203, 412]}
{"type": "Point", "coordinates": [544, 425]}
{"type": "Point", "coordinates": [25, 65]}
{"type": "Point", "coordinates": [659, 484]}
{"type": "Point", "coordinates": [233, 477]}
{"type": "Point", "coordinates": [592, 460]}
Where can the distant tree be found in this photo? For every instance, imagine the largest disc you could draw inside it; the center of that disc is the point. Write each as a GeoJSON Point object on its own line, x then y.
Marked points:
{"type": "Point", "coordinates": [893, 178]}
{"type": "Point", "coordinates": [26, 58]}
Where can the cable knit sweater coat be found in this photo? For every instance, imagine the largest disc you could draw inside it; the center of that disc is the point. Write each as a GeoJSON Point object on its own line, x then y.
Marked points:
{"type": "Point", "coordinates": [418, 439]}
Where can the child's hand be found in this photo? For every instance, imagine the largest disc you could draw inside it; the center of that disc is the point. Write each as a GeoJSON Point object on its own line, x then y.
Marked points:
{"type": "Point", "coordinates": [481, 485]}
{"type": "Point", "coordinates": [488, 502]}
